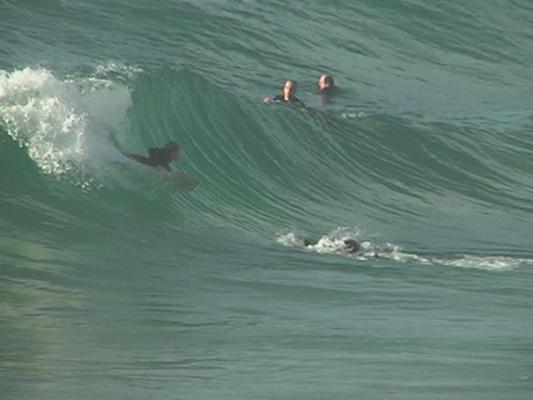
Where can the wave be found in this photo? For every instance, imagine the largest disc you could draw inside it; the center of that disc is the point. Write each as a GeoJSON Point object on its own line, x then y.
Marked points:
{"type": "Point", "coordinates": [262, 168]}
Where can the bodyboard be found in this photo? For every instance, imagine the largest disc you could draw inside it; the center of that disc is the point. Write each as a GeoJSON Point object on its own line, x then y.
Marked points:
{"type": "Point", "coordinates": [170, 180]}
{"type": "Point", "coordinates": [179, 181]}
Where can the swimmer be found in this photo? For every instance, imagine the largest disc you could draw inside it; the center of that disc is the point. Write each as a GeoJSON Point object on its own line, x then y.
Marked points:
{"type": "Point", "coordinates": [327, 88]}
{"type": "Point", "coordinates": [351, 245]}
{"type": "Point", "coordinates": [288, 95]}
{"type": "Point", "coordinates": [326, 85]}
{"type": "Point", "coordinates": [159, 158]}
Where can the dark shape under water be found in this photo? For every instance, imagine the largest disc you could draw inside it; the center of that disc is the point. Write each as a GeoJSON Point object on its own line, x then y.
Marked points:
{"type": "Point", "coordinates": [158, 157]}
{"type": "Point", "coordinates": [352, 246]}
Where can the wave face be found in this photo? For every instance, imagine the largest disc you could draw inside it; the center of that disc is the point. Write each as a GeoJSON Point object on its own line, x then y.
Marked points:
{"type": "Point", "coordinates": [424, 157]}
{"type": "Point", "coordinates": [263, 169]}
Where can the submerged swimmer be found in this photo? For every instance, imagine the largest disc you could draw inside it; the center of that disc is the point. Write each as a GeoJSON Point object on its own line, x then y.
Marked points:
{"type": "Point", "coordinates": [288, 95]}
{"type": "Point", "coordinates": [351, 246]}
{"type": "Point", "coordinates": [327, 88]}
{"type": "Point", "coordinates": [159, 158]}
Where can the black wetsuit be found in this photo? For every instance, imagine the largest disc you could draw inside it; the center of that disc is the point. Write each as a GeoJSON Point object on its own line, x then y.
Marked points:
{"type": "Point", "coordinates": [156, 158]}
{"type": "Point", "coordinates": [294, 100]}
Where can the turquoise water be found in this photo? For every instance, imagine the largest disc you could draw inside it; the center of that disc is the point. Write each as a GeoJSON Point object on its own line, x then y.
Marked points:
{"type": "Point", "coordinates": [116, 283]}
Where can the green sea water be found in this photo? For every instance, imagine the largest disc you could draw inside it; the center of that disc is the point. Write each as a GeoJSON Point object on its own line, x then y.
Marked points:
{"type": "Point", "coordinates": [117, 283]}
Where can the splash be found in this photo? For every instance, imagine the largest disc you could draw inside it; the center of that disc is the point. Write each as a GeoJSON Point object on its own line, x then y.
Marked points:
{"type": "Point", "coordinates": [63, 124]}
{"type": "Point", "coordinates": [334, 243]}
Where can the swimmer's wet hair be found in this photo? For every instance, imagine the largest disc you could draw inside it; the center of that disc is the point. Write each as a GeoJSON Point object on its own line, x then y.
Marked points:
{"type": "Point", "coordinates": [329, 80]}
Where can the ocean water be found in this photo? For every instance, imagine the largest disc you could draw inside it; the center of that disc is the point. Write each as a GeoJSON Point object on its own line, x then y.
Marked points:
{"type": "Point", "coordinates": [116, 283]}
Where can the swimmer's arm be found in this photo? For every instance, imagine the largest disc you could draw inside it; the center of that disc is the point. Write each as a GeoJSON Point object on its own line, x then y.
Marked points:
{"type": "Point", "coordinates": [301, 103]}
{"type": "Point", "coordinates": [271, 99]}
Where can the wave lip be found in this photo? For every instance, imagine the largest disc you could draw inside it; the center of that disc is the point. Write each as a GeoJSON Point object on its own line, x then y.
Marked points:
{"type": "Point", "coordinates": [63, 123]}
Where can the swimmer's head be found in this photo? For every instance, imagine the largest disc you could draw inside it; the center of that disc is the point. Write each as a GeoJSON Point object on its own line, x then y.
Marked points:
{"type": "Point", "coordinates": [325, 82]}
{"type": "Point", "coordinates": [309, 242]}
{"type": "Point", "coordinates": [289, 89]}
{"type": "Point", "coordinates": [351, 245]}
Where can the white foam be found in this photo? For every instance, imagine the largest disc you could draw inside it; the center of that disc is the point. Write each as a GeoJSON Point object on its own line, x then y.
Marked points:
{"type": "Point", "coordinates": [290, 239]}
{"type": "Point", "coordinates": [489, 263]}
{"type": "Point", "coordinates": [351, 115]}
{"type": "Point", "coordinates": [114, 68]}
{"type": "Point", "coordinates": [331, 243]}
{"type": "Point", "coordinates": [64, 124]}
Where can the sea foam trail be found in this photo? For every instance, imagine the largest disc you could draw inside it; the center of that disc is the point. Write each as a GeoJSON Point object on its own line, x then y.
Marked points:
{"type": "Point", "coordinates": [372, 248]}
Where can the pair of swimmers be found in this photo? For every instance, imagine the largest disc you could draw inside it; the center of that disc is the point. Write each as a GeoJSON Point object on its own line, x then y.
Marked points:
{"type": "Point", "coordinates": [161, 158]}
{"type": "Point", "coordinates": [326, 85]}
